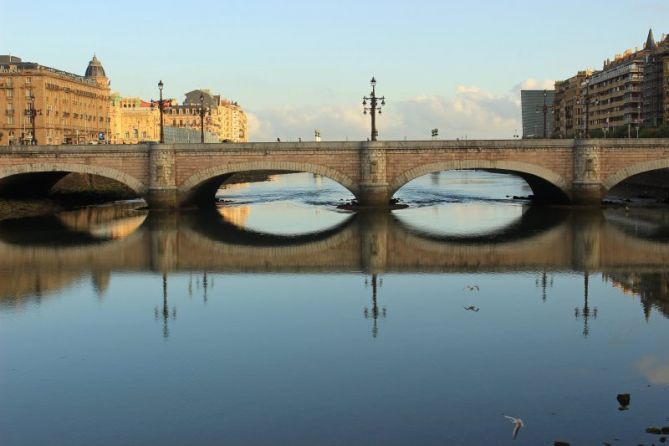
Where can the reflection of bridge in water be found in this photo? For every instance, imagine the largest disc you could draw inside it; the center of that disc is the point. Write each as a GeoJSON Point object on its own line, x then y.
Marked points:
{"type": "Point", "coordinates": [372, 243]}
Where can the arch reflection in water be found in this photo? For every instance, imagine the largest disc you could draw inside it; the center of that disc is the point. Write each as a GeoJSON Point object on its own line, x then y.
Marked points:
{"type": "Point", "coordinates": [375, 243]}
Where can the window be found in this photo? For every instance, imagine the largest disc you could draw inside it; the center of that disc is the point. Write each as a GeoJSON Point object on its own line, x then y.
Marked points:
{"type": "Point", "coordinates": [28, 80]}
{"type": "Point", "coordinates": [10, 120]}
{"type": "Point", "coordinates": [10, 93]}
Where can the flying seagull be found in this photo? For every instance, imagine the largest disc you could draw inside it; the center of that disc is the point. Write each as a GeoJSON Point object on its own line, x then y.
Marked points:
{"type": "Point", "coordinates": [517, 424]}
{"type": "Point", "coordinates": [471, 287]}
{"type": "Point", "coordinates": [471, 308]}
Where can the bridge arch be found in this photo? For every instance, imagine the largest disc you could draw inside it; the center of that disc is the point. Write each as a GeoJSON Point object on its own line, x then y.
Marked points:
{"type": "Point", "coordinates": [50, 173]}
{"type": "Point", "coordinates": [621, 175]}
{"type": "Point", "coordinates": [201, 187]}
{"type": "Point", "coordinates": [546, 185]}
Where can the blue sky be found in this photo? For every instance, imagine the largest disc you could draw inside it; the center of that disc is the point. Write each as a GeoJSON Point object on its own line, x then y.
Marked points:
{"type": "Point", "coordinates": [299, 65]}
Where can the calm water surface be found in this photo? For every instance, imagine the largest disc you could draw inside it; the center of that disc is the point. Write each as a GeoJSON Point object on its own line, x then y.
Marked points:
{"type": "Point", "coordinates": [278, 319]}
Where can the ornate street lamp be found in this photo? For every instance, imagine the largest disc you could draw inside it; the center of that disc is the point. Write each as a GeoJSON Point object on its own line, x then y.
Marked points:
{"type": "Point", "coordinates": [32, 113]}
{"type": "Point", "coordinates": [586, 102]}
{"type": "Point", "coordinates": [544, 109]}
{"type": "Point", "coordinates": [160, 108]}
{"type": "Point", "coordinates": [373, 107]}
{"type": "Point", "coordinates": [202, 113]}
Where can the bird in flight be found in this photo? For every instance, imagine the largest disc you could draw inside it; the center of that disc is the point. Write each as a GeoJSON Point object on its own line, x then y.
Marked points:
{"type": "Point", "coordinates": [472, 308]}
{"type": "Point", "coordinates": [517, 424]}
{"type": "Point", "coordinates": [471, 287]}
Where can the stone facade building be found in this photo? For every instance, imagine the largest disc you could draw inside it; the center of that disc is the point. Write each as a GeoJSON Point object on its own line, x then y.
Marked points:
{"type": "Point", "coordinates": [655, 110]}
{"type": "Point", "coordinates": [629, 92]}
{"type": "Point", "coordinates": [43, 105]}
{"type": "Point", "coordinates": [133, 120]}
{"type": "Point", "coordinates": [615, 92]}
{"type": "Point", "coordinates": [568, 107]}
{"type": "Point", "coordinates": [221, 116]}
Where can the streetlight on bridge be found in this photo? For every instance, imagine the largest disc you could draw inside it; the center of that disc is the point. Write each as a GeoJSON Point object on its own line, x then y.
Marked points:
{"type": "Point", "coordinates": [203, 111]}
{"type": "Point", "coordinates": [32, 114]}
{"type": "Point", "coordinates": [373, 107]}
{"type": "Point", "coordinates": [161, 109]}
{"type": "Point", "coordinates": [544, 109]}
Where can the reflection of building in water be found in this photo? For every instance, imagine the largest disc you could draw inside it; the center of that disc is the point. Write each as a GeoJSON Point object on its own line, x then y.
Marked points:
{"type": "Point", "coordinates": [30, 286]}
{"type": "Point", "coordinates": [237, 215]}
{"type": "Point", "coordinates": [652, 289]}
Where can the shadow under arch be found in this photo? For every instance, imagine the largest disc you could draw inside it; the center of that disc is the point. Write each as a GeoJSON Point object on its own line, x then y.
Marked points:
{"type": "Point", "coordinates": [37, 179]}
{"type": "Point", "coordinates": [626, 173]}
{"type": "Point", "coordinates": [534, 221]}
{"type": "Point", "coordinates": [211, 225]}
{"type": "Point", "coordinates": [547, 186]}
{"type": "Point", "coordinates": [200, 189]}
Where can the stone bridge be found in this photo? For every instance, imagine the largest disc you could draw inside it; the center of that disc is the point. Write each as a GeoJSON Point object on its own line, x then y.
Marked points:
{"type": "Point", "coordinates": [180, 175]}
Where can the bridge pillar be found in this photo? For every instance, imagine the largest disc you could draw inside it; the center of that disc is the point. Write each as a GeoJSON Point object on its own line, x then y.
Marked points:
{"type": "Point", "coordinates": [587, 187]}
{"type": "Point", "coordinates": [162, 174]}
{"type": "Point", "coordinates": [373, 190]}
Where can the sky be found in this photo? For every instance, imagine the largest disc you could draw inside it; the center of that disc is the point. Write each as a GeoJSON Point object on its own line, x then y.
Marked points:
{"type": "Point", "coordinates": [295, 65]}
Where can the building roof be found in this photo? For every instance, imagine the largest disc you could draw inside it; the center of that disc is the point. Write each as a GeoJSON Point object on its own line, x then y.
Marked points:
{"type": "Point", "coordinates": [650, 41]}
{"type": "Point", "coordinates": [95, 69]}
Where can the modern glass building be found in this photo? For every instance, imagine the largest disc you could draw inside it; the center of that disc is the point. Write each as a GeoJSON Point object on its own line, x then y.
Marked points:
{"type": "Point", "coordinates": [534, 103]}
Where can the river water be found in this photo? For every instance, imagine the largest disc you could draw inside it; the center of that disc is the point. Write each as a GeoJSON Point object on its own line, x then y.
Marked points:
{"type": "Point", "coordinates": [280, 319]}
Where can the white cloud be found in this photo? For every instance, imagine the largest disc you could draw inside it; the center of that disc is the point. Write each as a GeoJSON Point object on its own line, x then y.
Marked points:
{"type": "Point", "coordinates": [654, 369]}
{"type": "Point", "coordinates": [471, 112]}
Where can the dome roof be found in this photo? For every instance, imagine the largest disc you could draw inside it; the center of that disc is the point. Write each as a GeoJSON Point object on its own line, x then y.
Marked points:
{"type": "Point", "coordinates": [95, 68]}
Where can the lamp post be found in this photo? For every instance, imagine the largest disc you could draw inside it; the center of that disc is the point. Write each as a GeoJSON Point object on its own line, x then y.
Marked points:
{"type": "Point", "coordinates": [586, 102]}
{"type": "Point", "coordinates": [543, 109]}
{"type": "Point", "coordinates": [373, 107]}
{"type": "Point", "coordinates": [160, 109]}
{"type": "Point", "coordinates": [202, 118]}
{"type": "Point", "coordinates": [638, 120]}
{"type": "Point", "coordinates": [435, 133]}
{"type": "Point", "coordinates": [32, 113]}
